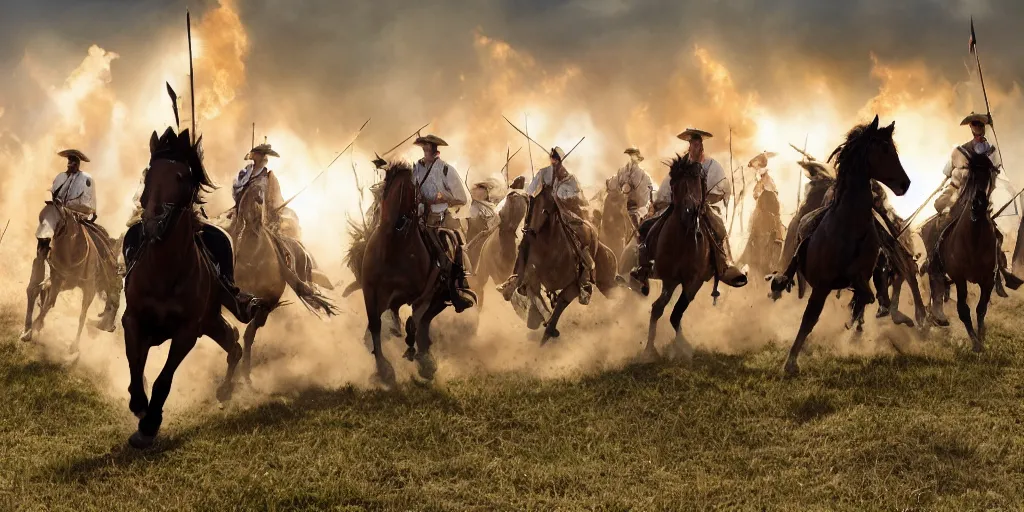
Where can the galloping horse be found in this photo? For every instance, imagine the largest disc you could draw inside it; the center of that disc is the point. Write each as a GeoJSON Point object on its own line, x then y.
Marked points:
{"type": "Point", "coordinates": [493, 252]}
{"type": "Point", "coordinates": [615, 224]}
{"type": "Point", "coordinates": [262, 265]}
{"type": "Point", "coordinates": [398, 270]}
{"type": "Point", "coordinates": [814, 198]}
{"type": "Point", "coordinates": [75, 262]}
{"type": "Point", "coordinates": [839, 246]}
{"type": "Point", "coordinates": [764, 247]}
{"type": "Point", "coordinates": [553, 264]}
{"type": "Point", "coordinates": [173, 289]}
{"type": "Point", "coordinates": [967, 249]}
{"type": "Point", "coordinates": [683, 251]}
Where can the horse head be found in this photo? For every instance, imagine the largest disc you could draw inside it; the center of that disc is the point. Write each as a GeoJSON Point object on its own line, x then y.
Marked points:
{"type": "Point", "coordinates": [544, 207]}
{"type": "Point", "coordinates": [689, 183]}
{"type": "Point", "coordinates": [398, 199]}
{"type": "Point", "coordinates": [513, 210]}
{"type": "Point", "coordinates": [174, 180]}
{"type": "Point", "coordinates": [252, 206]}
{"type": "Point", "coordinates": [980, 176]}
{"type": "Point", "coordinates": [872, 149]}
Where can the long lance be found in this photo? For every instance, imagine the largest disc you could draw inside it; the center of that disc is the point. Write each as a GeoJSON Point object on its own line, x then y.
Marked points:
{"type": "Point", "coordinates": [5, 230]}
{"type": "Point", "coordinates": [191, 72]}
{"type": "Point", "coordinates": [415, 133]}
{"type": "Point", "coordinates": [799, 177]}
{"type": "Point", "coordinates": [988, 109]}
{"type": "Point", "coordinates": [508, 160]}
{"type": "Point", "coordinates": [906, 224]}
{"type": "Point", "coordinates": [732, 176]}
{"type": "Point", "coordinates": [303, 189]}
{"type": "Point", "coordinates": [804, 153]}
{"type": "Point", "coordinates": [1008, 203]}
{"type": "Point", "coordinates": [465, 181]}
{"type": "Point", "coordinates": [529, 149]}
{"type": "Point", "coordinates": [253, 143]}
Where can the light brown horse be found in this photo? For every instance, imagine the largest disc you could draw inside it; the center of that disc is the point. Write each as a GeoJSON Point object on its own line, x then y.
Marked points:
{"type": "Point", "coordinates": [967, 249]}
{"type": "Point", "coordinates": [398, 269]}
{"type": "Point", "coordinates": [173, 288]}
{"type": "Point", "coordinates": [682, 251]}
{"type": "Point", "coordinates": [839, 245]}
{"type": "Point", "coordinates": [493, 252]}
{"type": "Point", "coordinates": [764, 247]}
{"type": "Point", "coordinates": [75, 262]}
{"type": "Point", "coordinates": [553, 266]}
{"type": "Point", "coordinates": [263, 265]}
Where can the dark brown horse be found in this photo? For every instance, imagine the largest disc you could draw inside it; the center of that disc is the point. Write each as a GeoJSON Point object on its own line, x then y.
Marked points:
{"type": "Point", "coordinates": [821, 181]}
{"type": "Point", "coordinates": [75, 262]}
{"type": "Point", "coordinates": [398, 269]}
{"type": "Point", "coordinates": [263, 265]}
{"type": "Point", "coordinates": [173, 289]}
{"type": "Point", "coordinates": [764, 247]}
{"type": "Point", "coordinates": [683, 251]}
{"type": "Point", "coordinates": [552, 265]}
{"type": "Point", "coordinates": [839, 246]}
{"type": "Point", "coordinates": [493, 252]}
{"type": "Point", "coordinates": [967, 249]}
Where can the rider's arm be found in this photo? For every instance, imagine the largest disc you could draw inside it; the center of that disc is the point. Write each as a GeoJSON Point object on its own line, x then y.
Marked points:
{"type": "Point", "coordinates": [458, 194]}
{"type": "Point", "coordinates": [720, 188]}
{"type": "Point", "coordinates": [664, 195]}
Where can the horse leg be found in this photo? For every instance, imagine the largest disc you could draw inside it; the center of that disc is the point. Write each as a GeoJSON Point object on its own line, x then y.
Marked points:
{"type": "Point", "coordinates": [658, 309]}
{"type": "Point", "coordinates": [878, 277]}
{"type": "Point", "coordinates": [88, 294]}
{"type": "Point", "coordinates": [385, 372]}
{"type": "Point", "coordinates": [811, 314]}
{"type": "Point", "coordinates": [35, 286]}
{"type": "Point", "coordinates": [250, 338]}
{"type": "Point", "coordinates": [226, 335]}
{"type": "Point", "coordinates": [898, 317]}
{"type": "Point", "coordinates": [920, 314]}
{"type": "Point", "coordinates": [149, 425]}
{"type": "Point", "coordinates": [427, 365]}
{"type": "Point", "coordinates": [939, 292]}
{"type": "Point", "coordinates": [136, 348]}
{"type": "Point", "coordinates": [49, 300]}
{"type": "Point", "coordinates": [862, 296]}
{"type": "Point", "coordinates": [394, 321]}
{"type": "Point", "coordinates": [410, 339]}
{"type": "Point", "coordinates": [564, 299]}
{"type": "Point", "coordinates": [681, 344]}
{"type": "Point", "coordinates": [983, 299]}
{"type": "Point", "coordinates": [964, 311]}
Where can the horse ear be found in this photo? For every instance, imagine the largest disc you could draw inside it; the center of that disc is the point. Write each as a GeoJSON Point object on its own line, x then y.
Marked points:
{"type": "Point", "coordinates": [889, 129]}
{"type": "Point", "coordinates": [153, 142]}
{"type": "Point", "coordinates": [874, 124]}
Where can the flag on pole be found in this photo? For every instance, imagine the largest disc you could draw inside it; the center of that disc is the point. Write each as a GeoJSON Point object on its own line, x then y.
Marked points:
{"type": "Point", "coordinates": [974, 38]}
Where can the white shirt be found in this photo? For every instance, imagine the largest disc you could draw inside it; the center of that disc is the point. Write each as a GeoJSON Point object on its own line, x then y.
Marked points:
{"type": "Point", "coordinates": [243, 178]}
{"type": "Point", "coordinates": [956, 167]}
{"type": "Point", "coordinates": [640, 184]}
{"type": "Point", "coordinates": [76, 190]}
{"type": "Point", "coordinates": [449, 185]}
{"type": "Point", "coordinates": [567, 189]}
{"type": "Point", "coordinates": [717, 183]}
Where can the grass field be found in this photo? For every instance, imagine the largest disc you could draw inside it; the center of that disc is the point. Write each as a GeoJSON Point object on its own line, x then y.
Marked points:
{"type": "Point", "coordinates": [940, 431]}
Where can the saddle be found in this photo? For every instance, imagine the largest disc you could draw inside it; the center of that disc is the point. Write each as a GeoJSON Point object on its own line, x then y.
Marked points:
{"type": "Point", "coordinates": [214, 244]}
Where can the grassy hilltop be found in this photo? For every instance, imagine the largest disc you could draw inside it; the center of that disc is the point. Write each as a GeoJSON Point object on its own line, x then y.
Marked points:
{"type": "Point", "coordinates": [904, 432]}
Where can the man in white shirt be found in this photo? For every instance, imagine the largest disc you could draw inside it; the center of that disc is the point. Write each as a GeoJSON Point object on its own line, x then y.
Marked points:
{"type": "Point", "coordinates": [634, 181]}
{"type": "Point", "coordinates": [570, 200]}
{"type": "Point", "coordinates": [718, 191]}
{"type": "Point", "coordinates": [444, 201]}
{"type": "Point", "coordinates": [75, 190]}
{"type": "Point", "coordinates": [483, 213]}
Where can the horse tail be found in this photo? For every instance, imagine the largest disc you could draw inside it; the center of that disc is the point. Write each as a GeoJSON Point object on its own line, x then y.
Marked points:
{"type": "Point", "coordinates": [309, 297]}
{"type": "Point", "coordinates": [605, 269]}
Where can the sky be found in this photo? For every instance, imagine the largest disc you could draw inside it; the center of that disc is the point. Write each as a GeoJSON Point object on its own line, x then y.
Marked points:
{"type": "Point", "coordinates": [90, 74]}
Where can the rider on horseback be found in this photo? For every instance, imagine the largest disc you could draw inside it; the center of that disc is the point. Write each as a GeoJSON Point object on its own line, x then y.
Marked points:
{"type": "Point", "coordinates": [442, 199]}
{"type": "Point", "coordinates": [765, 183]}
{"type": "Point", "coordinates": [956, 170]}
{"type": "Point", "coordinates": [483, 213]}
{"type": "Point", "coordinates": [718, 191]}
{"type": "Point", "coordinates": [634, 181]}
{"type": "Point", "coordinates": [283, 221]}
{"type": "Point", "coordinates": [570, 199]}
{"type": "Point", "coordinates": [74, 189]}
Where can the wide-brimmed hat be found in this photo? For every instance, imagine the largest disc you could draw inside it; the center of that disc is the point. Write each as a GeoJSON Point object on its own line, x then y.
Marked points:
{"type": "Point", "coordinates": [976, 118]}
{"type": "Point", "coordinates": [692, 133]}
{"type": "Point", "coordinates": [430, 139]}
{"type": "Point", "coordinates": [379, 163]}
{"type": "Point", "coordinates": [262, 149]}
{"type": "Point", "coordinates": [634, 151]}
{"type": "Point", "coordinates": [557, 152]}
{"type": "Point", "coordinates": [519, 183]}
{"type": "Point", "coordinates": [761, 160]}
{"type": "Point", "coordinates": [73, 153]}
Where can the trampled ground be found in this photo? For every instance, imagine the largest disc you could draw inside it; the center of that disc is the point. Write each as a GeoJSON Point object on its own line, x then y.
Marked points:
{"type": "Point", "coordinates": [939, 431]}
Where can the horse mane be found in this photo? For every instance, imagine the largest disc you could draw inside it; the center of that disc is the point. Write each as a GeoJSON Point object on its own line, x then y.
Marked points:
{"type": "Point", "coordinates": [979, 179]}
{"type": "Point", "coordinates": [178, 147]}
{"type": "Point", "coordinates": [851, 154]}
{"type": "Point", "coordinates": [395, 169]}
{"type": "Point", "coordinates": [682, 167]}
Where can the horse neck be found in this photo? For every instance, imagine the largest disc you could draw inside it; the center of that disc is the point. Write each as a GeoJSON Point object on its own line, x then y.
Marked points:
{"type": "Point", "coordinates": [72, 245]}
{"type": "Point", "coordinates": [852, 198]}
{"type": "Point", "coordinates": [176, 249]}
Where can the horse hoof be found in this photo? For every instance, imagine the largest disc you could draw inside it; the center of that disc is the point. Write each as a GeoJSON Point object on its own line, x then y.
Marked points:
{"type": "Point", "coordinates": [26, 336]}
{"type": "Point", "coordinates": [977, 347]}
{"type": "Point", "coordinates": [648, 356]}
{"type": "Point", "coordinates": [939, 322]}
{"type": "Point", "coordinates": [901, 319]}
{"type": "Point", "coordinates": [791, 368]}
{"type": "Point", "coordinates": [410, 354]}
{"type": "Point", "coordinates": [140, 441]}
{"type": "Point", "coordinates": [224, 392]}
{"type": "Point", "coordinates": [427, 366]}
{"type": "Point", "coordinates": [882, 312]}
